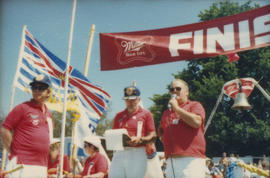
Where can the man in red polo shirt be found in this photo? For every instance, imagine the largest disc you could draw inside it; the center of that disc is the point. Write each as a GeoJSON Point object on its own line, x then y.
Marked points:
{"type": "Point", "coordinates": [27, 130]}
{"type": "Point", "coordinates": [139, 123]}
{"type": "Point", "coordinates": [182, 134]}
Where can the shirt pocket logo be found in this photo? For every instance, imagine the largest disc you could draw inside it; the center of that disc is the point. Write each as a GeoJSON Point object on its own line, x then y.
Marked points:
{"type": "Point", "coordinates": [33, 116]}
{"type": "Point", "coordinates": [34, 119]}
{"type": "Point", "coordinates": [35, 122]}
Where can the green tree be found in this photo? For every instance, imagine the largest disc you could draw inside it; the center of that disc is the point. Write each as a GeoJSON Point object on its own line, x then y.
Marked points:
{"type": "Point", "coordinates": [104, 122]}
{"type": "Point", "coordinates": [242, 132]}
{"type": "Point", "coordinates": [103, 125]}
{"type": "Point", "coordinates": [57, 119]}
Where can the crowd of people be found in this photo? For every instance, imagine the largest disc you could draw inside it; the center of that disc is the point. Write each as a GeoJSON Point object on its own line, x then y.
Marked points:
{"type": "Point", "coordinates": [27, 134]}
{"type": "Point", "coordinates": [232, 167]}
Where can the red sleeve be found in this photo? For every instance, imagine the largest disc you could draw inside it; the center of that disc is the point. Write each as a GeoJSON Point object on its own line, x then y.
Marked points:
{"type": "Point", "coordinates": [66, 164]}
{"type": "Point", "coordinates": [13, 118]}
{"type": "Point", "coordinates": [198, 109]}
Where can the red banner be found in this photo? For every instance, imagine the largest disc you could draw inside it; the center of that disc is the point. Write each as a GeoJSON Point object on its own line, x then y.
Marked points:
{"type": "Point", "coordinates": [231, 34]}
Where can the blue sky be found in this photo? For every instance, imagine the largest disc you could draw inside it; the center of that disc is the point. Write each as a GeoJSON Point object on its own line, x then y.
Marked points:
{"type": "Point", "coordinates": [49, 22]}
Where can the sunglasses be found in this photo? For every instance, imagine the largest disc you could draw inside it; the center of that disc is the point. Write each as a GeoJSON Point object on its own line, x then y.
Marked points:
{"type": "Point", "coordinates": [39, 87]}
{"type": "Point", "coordinates": [172, 89]}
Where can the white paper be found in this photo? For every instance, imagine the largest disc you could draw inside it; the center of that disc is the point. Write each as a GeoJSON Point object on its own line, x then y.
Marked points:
{"type": "Point", "coordinates": [139, 129]}
{"type": "Point", "coordinates": [113, 139]}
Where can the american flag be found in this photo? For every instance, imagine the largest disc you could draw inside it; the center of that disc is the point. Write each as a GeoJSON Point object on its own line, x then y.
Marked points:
{"type": "Point", "coordinates": [36, 59]}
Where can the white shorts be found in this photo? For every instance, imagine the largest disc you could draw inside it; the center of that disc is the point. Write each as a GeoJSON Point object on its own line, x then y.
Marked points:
{"type": "Point", "coordinates": [185, 167]}
{"type": "Point", "coordinates": [153, 168]}
{"type": "Point", "coordinates": [130, 163]}
{"type": "Point", "coordinates": [28, 171]}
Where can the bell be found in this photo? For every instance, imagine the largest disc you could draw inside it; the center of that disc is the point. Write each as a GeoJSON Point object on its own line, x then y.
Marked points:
{"type": "Point", "coordinates": [240, 102]}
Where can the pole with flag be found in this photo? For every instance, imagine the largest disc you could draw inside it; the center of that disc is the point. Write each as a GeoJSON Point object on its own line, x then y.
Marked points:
{"type": "Point", "coordinates": [4, 153]}
{"type": "Point", "coordinates": [83, 96]}
{"type": "Point", "coordinates": [74, 148]}
{"type": "Point", "coordinates": [66, 90]}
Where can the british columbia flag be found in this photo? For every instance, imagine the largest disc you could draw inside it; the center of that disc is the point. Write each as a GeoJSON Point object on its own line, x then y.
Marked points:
{"type": "Point", "coordinates": [36, 59]}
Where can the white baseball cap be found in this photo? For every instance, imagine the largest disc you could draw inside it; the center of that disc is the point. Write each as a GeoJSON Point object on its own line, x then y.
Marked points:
{"type": "Point", "coordinates": [55, 140]}
{"type": "Point", "coordinates": [94, 140]}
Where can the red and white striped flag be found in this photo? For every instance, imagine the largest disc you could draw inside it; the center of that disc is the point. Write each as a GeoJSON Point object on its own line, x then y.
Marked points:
{"type": "Point", "coordinates": [232, 87]}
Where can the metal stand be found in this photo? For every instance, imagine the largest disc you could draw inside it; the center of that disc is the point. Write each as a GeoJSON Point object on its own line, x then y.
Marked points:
{"type": "Point", "coordinates": [220, 98]}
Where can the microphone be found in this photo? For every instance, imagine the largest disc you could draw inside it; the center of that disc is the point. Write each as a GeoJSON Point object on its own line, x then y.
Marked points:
{"type": "Point", "coordinates": [169, 105]}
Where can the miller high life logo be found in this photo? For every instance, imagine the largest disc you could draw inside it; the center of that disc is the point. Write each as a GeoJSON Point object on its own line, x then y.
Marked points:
{"type": "Point", "coordinates": [134, 49]}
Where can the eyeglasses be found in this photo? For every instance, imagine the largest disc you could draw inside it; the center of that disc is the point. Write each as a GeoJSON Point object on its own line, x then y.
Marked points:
{"type": "Point", "coordinates": [39, 87]}
{"type": "Point", "coordinates": [172, 89]}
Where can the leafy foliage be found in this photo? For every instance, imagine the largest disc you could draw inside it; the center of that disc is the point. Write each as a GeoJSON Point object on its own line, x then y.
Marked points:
{"type": "Point", "coordinates": [57, 119]}
{"type": "Point", "coordinates": [241, 132]}
{"type": "Point", "coordinates": [104, 123]}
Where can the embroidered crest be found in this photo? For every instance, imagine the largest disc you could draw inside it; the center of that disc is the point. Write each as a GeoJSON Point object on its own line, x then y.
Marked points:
{"type": "Point", "coordinates": [40, 77]}
{"type": "Point", "coordinates": [35, 122]}
{"type": "Point", "coordinates": [129, 91]}
{"type": "Point", "coordinates": [33, 116]}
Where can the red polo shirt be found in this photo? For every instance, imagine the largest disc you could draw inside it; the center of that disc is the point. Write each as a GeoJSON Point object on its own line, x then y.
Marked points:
{"type": "Point", "coordinates": [130, 122]}
{"type": "Point", "coordinates": [66, 166]}
{"type": "Point", "coordinates": [96, 164]}
{"type": "Point", "coordinates": [178, 137]}
{"type": "Point", "coordinates": [31, 133]}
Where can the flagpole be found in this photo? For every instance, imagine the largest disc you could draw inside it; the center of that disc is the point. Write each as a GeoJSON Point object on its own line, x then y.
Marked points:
{"type": "Point", "coordinates": [4, 153]}
{"type": "Point", "coordinates": [89, 49]}
{"type": "Point", "coordinates": [261, 89]}
{"type": "Point", "coordinates": [85, 73]}
{"type": "Point", "coordinates": [66, 90]}
{"type": "Point", "coordinates": [213, 111]}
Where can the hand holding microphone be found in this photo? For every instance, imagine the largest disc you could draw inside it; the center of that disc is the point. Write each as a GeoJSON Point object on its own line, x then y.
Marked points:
{"type": "Point", "coordinates": [169, 105]}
